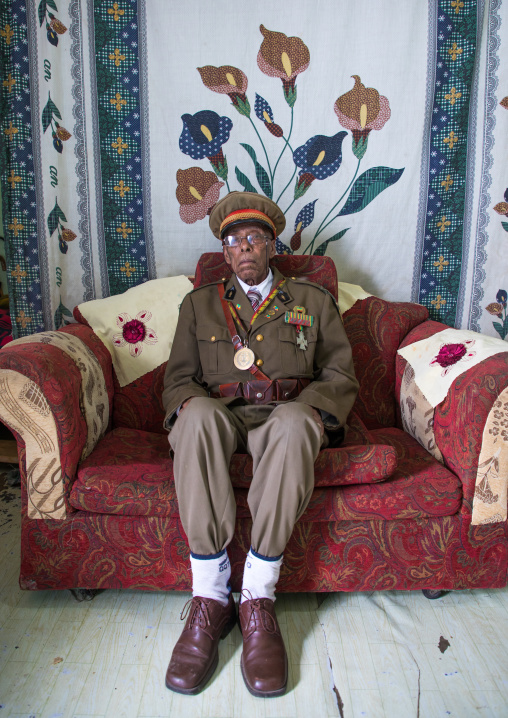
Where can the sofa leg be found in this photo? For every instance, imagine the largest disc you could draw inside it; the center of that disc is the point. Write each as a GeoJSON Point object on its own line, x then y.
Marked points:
{"type": "Point", "coordinates": [431, 593]}
{"type": "Point", "coordinates": [84, 594]}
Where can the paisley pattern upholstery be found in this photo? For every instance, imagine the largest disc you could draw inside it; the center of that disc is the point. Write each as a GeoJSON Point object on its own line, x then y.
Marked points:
{"type": "Point", "coordinates": [460, 419]}
{"type": "Point", "coordinates": [49, 416]}
{"type": "Point", "coordinates": [130, 473]}
{"type": "Point", "coordinates": [93, 392]}
{"type": "Point", "coordinates": [376, 329]}
{"type": "Point", "coordinates": [101, 551]}
{"type": "Point", "coordinates": [410, 530]}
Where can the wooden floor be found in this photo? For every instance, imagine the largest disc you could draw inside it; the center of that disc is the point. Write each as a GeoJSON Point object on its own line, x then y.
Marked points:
{"type": "Point", "coordinates": [368, 655]}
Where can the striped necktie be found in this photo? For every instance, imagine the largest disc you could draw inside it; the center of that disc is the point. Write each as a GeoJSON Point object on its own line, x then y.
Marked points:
{"type": "Point", "coordinates": [254, 298]}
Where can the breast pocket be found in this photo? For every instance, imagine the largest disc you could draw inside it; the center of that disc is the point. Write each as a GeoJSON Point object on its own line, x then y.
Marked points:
{"type": "Point", "coordinates": [295, 360]}
{"type": "Point", "coordinates": [215, 349]}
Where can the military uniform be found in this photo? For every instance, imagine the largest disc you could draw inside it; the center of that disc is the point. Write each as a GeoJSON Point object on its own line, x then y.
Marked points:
{"type": "Point", "coordinates": [283, 450]}
{"type": "Point", "coordinates": [296, 338]}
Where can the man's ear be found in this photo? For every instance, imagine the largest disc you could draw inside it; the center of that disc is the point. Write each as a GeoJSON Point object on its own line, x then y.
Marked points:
{"type": "Point", "coordinates": [273, 250]}
{"type": "Point", "coordinates": [226, 255]}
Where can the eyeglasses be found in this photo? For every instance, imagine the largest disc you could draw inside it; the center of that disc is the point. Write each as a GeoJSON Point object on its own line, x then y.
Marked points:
{"type": "Point", "coordinates": [232, 240]}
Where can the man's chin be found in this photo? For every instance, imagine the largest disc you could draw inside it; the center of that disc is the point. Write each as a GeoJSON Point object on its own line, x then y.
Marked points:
{"type": "Point", "coordinates": [250, 274]}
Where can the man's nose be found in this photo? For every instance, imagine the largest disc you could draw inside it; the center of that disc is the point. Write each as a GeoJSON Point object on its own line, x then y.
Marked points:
{"type": "Point", "coordinates": [245, 245]}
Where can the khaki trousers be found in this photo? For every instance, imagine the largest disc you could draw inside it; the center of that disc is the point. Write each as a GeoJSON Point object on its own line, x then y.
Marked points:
{"type": "Point", "coordinates": [283, 441]}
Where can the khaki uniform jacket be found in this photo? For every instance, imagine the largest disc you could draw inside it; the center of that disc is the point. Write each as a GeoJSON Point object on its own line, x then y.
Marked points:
{"type": "Point", "coordinates": [201, 358]}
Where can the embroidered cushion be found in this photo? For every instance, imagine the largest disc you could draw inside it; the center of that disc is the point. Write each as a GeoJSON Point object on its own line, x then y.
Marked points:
{"type": "Point", "coordinates": [439, 359]}
{"type": "Point", "coordinates": [137, 326]}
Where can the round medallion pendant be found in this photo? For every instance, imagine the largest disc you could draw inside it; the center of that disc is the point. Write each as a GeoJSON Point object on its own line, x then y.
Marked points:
{"type": "Point", "coordinates": [244, 358]}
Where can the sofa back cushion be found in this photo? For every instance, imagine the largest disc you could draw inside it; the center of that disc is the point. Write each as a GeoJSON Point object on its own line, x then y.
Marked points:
{"type": "Point", "coordinates": [376, 329]}
{"type": "Point", "coordinates": [139, 404]}
{"type": "Point", "coordinates": [320, 270]}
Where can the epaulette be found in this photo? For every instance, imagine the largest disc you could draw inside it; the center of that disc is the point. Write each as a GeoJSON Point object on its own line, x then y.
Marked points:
{"type": "Point", "coordinates": [304, 280]}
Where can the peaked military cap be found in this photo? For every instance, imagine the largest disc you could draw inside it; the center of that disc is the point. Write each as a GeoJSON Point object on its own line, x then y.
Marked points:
{"type": "Point", "coordinates": [240, 207]}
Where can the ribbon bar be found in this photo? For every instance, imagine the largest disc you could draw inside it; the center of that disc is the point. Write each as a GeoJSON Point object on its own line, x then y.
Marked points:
{"type": "Point", "coordinates": [304, 320]}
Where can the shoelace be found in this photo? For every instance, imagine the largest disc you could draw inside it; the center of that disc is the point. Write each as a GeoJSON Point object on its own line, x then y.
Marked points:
{"type": "Point", "coordinates": [254, 298]}
{"type": "Point", "coordinates": [256, 609]}
{"type": "Point", "coordinates": [199, 616]}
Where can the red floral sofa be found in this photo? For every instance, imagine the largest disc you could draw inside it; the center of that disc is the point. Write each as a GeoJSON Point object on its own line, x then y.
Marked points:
{"type": "Point", "coordinates": [98, 499]}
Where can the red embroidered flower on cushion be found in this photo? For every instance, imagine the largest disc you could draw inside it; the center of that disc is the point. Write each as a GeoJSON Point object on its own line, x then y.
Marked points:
{"type": "Point", "coordinates": [450, 354]}
{"type": "Point", "coordinates": [135, 332]}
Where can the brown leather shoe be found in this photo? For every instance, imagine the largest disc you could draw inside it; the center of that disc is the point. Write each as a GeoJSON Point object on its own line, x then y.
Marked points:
{"type": "Point", "coordinates": [195, 655]}
{"type": "Point", "coordinates": [264, 661]}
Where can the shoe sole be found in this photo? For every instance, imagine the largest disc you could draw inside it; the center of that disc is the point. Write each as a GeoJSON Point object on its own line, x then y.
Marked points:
{"type": "Point", "coordinates": [263, 694]}
{"type": "Point", "coordinates": [197, 689]}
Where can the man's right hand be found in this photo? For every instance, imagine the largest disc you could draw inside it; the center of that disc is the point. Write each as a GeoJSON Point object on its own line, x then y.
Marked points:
{"type": "Point", "coordinates": [185, 403]}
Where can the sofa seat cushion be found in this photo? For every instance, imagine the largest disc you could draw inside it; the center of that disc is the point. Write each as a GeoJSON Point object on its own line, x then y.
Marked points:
{"type": "Point", "coordinates": [130, 473]}
{"type": "Point", "coordinates": [421, 487]}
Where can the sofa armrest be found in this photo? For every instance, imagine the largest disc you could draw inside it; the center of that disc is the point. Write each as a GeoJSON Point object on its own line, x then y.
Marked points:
{"type": "Point", "coordinates": [56, 389]}
{"type": "Point", "coordinates": [463, 427]}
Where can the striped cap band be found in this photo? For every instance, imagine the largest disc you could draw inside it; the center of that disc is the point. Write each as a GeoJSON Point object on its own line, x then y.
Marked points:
{"type": "Point", "coordinates": [244, 214]}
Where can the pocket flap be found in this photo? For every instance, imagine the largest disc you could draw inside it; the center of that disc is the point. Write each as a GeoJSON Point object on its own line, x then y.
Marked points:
{"type": "Point", "coordinates": [288, 333]}
{"type": "Point", "coordinates": [212, 333]}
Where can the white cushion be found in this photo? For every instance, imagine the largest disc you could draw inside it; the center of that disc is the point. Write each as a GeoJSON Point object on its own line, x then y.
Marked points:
{"type": "Point", "coordinates": [139, 325]}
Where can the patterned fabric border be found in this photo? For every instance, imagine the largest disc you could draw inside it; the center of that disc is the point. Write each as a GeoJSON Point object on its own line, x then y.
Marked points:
{"type": "Point", "coordinates": [145, 137]}
{"type": "Point", "coordinates": [117, 75]}
{"type": "Point", "coordinates": [417, 414]}
{"type": "Point", "coordinates": [76, 33]}
{"type": "Point", "coordinates": [491, 100]}
{"type": "Point", "coordinates": [17, 173]}
{"type": "Point", "coordinates": [489, 503]}
{"type": "Point", "coordinates": [26, 409]}
{"type": "Point", "coordinates": [442, 247]}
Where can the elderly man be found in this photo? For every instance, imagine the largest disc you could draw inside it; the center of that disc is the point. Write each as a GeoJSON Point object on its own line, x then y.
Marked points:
{"type": "Point", "coordinates": [259, 364]}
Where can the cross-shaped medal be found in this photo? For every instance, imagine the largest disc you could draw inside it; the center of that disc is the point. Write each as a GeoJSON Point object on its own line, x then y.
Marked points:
{"type": "Point", "coordinates": [300, 340]}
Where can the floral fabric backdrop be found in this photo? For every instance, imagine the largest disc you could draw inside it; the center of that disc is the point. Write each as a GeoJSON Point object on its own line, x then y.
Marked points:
{"type": "Point", "coordinates": [384, 143]}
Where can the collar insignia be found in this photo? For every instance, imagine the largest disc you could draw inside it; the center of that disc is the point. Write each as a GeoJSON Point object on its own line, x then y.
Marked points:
{"type": "Point", "coordinates": [230, 294]}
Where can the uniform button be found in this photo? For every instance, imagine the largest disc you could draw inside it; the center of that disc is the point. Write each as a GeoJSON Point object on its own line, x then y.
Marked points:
{"type": "Point", "coordinates": [293, 277]}
{"type": "Point", "coordinates": [286, 394]}
{"type": "Point", "coordinates": [212, 339]}
{"type": "Point", "coordinates": [259, 362]}
{"type": "Point", "coordinates": [259, 338]}
{"type": "Point", "coordinates": [259, 395]}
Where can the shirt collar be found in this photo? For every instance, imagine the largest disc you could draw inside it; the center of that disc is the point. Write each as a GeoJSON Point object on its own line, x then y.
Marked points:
{"type": "Point", "coordinates": [263, 288]}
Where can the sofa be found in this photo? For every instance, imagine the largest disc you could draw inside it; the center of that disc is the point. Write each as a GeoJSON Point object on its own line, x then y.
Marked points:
{"type": "Point", "coordinates": [414, 498]}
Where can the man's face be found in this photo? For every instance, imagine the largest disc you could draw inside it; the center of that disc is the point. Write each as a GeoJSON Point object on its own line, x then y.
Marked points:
{"type": "Point", "coordinates": [249, 261]}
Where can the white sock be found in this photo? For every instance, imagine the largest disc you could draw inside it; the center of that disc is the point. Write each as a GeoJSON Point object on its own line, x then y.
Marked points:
{"type": "Point", "coordinates": [260, 576]}
{"type": "Point", "coordinates": [210, 577]}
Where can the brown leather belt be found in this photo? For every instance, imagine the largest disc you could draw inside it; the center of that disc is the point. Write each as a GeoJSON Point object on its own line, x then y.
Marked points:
{"type": "Point", "coordinates": [258, 391]}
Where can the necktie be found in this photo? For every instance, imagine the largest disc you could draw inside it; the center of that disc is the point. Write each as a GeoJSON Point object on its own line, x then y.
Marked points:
{"type": "Point", "coordinates": [254, 298]}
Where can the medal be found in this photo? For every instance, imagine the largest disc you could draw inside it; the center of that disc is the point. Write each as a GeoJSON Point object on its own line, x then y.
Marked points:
{"type": "Point", "coordinates": [244, 358]}
{"type": "Point", "coordinates": [300, 339]}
